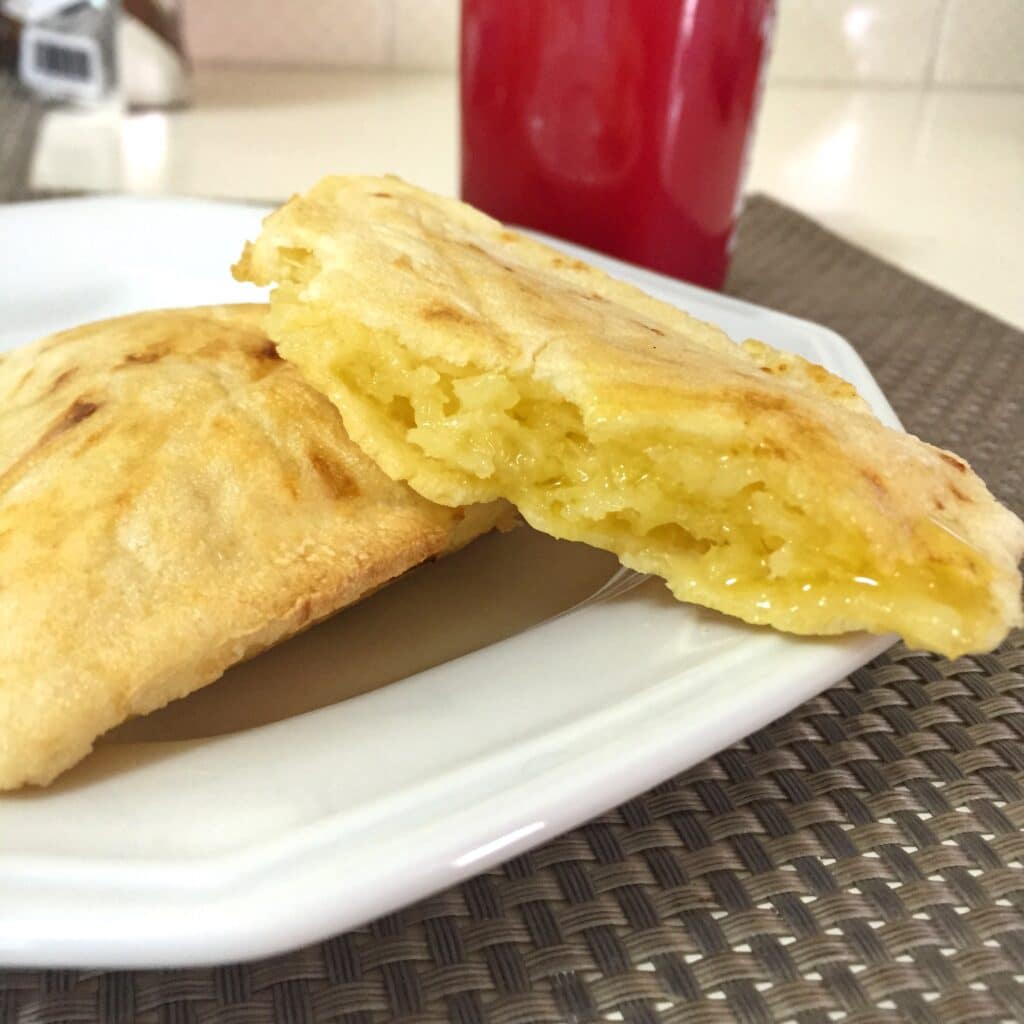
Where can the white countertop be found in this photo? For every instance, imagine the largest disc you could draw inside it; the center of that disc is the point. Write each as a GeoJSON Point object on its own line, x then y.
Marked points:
{"type": "Point", "coordinates": [931, 180]}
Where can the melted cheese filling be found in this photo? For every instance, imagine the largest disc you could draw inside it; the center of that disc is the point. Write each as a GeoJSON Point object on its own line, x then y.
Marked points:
{"type": "Point", "coordinates": [725, 525]}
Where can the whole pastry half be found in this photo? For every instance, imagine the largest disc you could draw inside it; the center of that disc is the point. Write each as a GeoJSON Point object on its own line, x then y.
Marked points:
{"type": "Point", "coordinates": [476, 363]}
{"type": "Point", "coordinates": [175, 498]}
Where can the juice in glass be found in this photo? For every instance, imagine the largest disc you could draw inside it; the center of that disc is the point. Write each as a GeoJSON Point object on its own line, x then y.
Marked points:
{"type": "Point", "coordinates": [623, 125]}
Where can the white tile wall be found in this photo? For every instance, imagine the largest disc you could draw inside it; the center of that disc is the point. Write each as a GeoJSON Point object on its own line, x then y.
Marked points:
{"type": "Point", "coordinates": [426, 33]}
{"type": "Point", "coordinates": [855, 40]}
{"type": "Point", "coordinates": [894, 42]}
{"type": "Point", "coordinates": [982, 43]}
{"type": "Point", "coordinates": [287, 32]}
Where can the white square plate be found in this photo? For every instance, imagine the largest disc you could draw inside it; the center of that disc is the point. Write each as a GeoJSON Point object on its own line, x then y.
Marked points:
{"type": "Point", "coordinates": [533, 684]}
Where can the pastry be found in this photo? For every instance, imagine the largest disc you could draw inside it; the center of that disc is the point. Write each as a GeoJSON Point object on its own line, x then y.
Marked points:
{"type": "Point", "coordinates": [477, 364]}
{"type": "Point", "coordinates": [175, 498]}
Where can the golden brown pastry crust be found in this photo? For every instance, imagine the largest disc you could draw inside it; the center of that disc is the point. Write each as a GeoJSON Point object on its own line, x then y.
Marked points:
{"type": "Point", "coordinates": [173, 499]}
{"type": "Point", "coordinates": [449, 286]}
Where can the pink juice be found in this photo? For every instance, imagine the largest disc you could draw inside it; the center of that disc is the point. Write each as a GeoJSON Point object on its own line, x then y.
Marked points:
{"type": "Point", "coordinates": [623, 125]}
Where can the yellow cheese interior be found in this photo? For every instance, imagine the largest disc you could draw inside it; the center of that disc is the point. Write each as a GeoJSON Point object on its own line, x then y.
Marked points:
{"type": "Point", "coordinates": [704, 508]}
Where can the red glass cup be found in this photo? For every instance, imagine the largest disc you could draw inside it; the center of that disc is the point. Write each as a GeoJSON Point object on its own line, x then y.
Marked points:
{"type": "Point", "coordinates": [623, 125]}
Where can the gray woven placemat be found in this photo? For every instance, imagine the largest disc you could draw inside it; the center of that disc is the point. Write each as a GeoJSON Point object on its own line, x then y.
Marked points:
{"type": "Point", "coordinates": [861, 859]}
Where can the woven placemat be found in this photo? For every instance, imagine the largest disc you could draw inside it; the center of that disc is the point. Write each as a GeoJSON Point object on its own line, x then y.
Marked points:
{"type": "Point", "coordinates": [858, 860]}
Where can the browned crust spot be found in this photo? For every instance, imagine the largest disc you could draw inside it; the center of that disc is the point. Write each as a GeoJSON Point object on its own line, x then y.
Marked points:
{"type": "Point", "coordinates": [143, 357]}
{"type": "Point", "coordinates": [874, 479]}
{"type": "Point", "coordinates": [75, 413]}
{"type": "Point", "coordinates": [268, 351]}
{"type": "Point", "coordinates": [90, 440]}
{"type": "Point", "coordinates": [649, 327]}
{"type": "Point", "coordinates": [78, 411]}
{"type": "Point", "coordinates": [304, 611]}
{"type": "Point", "coordinates": [382, 195]}
{"type": "Point", "coordinates": [443, 311]}
{"type": "Point", "coordinates": [958, 494]}
{"type": "Point", "coordinates": [774, 450]}
{"type": "Point", "coordinates": [291, 484]}
{"type": "Point", "coordinates": [953, 461]}
{"type": "Point", "coordinates": [62, 379]}
{"type": "Point", "coordinates": [335, 480]}
{"type": "Point", "coordinates": [527, 288]}
{"type": "Point", "coordinates": [821, 376]}
{"type": "Point", "coordinates": [763, 402]}
{"type": "Point", "coordinates": [402, 262]}
{"type": "Point", "coordinates": [567, 261]}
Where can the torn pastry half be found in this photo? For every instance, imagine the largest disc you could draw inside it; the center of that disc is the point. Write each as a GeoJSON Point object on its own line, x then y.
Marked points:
{"type": "Point", "coordinates": [476, 363]}
{"type": "Point", "coordinates": [174, 498]}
